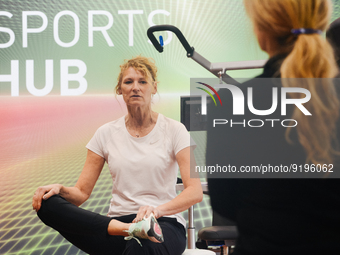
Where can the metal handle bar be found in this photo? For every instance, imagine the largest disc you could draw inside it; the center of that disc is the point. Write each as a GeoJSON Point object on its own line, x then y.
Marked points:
{"type": "Point", "coordinates": [173, 29]}
{"type": "Point", "coordinates": [217, 69]}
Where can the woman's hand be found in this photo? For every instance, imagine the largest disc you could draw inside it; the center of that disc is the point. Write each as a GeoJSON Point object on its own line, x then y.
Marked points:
{"type": "Point", "coordinates": [44, 192]}
{"type": "Point", "coordinates": [145, 211]}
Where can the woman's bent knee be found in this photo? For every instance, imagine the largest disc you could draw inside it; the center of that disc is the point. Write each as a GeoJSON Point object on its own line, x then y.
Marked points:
{"type": "Point", "coordinates": [45, 212]}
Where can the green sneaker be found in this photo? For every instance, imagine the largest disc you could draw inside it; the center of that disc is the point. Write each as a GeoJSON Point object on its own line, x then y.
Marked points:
{"type": "Point", "coordinates": [148, 228]}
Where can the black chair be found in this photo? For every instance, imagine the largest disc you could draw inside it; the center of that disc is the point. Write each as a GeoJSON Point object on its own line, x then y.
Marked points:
{"type": "Point", "coordinates": [222, 233]}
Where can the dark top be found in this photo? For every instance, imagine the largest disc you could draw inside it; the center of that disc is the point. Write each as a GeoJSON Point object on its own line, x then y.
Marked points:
{"type": "Point", "coordinates": [333, 36]}
{"type": "Point", "coordinates": [274, 216]}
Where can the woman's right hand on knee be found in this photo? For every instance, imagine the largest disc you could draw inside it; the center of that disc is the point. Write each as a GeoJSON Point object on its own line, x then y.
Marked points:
{"type": "Point", "coordinates": [44, 192]}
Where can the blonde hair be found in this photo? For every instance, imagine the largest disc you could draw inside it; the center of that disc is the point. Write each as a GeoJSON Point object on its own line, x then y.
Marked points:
{"type": "Point", "coordinates": [308, 56]}
{"type": "Point", "coordinates": [142, 64]}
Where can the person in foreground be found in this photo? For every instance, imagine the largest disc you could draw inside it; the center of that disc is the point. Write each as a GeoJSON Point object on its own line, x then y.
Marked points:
{"type": "Point", "coordinates": [282, 214]}
{"type": "Point", "coordinates": [143, 151]}
{"type": "Point", "coordinates": [333, 36]}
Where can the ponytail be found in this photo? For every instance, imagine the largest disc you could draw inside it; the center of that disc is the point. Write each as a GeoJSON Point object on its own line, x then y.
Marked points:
{"type": "Point", "coordinates": [310, 57]}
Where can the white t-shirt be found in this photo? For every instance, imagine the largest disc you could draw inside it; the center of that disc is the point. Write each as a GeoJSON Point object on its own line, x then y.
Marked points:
{"type": "Point", "coordinates": [144, 170]}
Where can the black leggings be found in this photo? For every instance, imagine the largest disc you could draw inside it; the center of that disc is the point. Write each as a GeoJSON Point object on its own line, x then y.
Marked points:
{"type": "Point", "coordinates": [88, 231]}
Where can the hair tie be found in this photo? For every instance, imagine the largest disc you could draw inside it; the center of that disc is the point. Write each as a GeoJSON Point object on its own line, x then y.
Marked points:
{"type": "Point", "coordinates": [306, 31]}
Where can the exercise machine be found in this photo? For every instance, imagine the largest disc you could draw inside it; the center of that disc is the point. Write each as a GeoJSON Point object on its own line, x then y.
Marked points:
{"type": "Point", "coordinates": [217, 69]}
